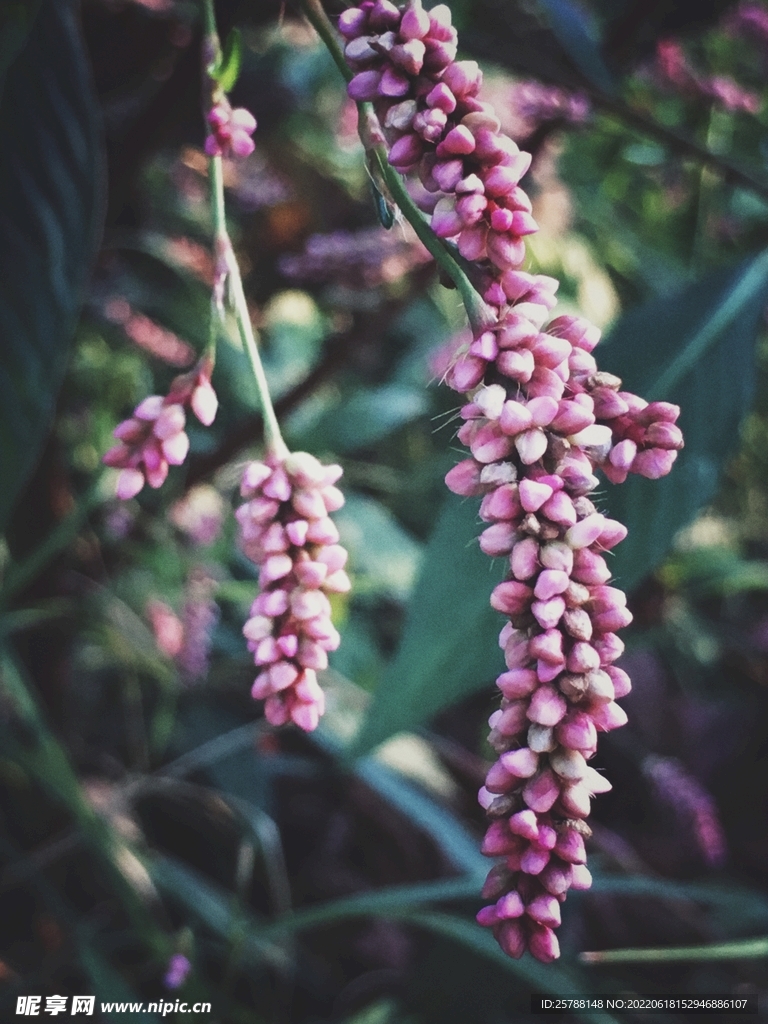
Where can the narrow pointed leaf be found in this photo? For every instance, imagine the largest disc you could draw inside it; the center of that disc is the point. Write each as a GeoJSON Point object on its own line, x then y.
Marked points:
{"type": "Point", "coordinates": [449, 646]}
{"type": "Point", "coordinates": [694, 348]}
{"type": "Point", "coordinates": [50, 207]}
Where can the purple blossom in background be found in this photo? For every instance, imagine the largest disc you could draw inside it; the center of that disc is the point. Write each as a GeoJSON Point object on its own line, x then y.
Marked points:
{"type": "Point", "coordinates": [359, 259]}
{"type": "Point", "coordinates": [536, 104]}
{"type": "Point", "coordinates": [177, 971]}
{"type": "Point", "coordinates": [200, 615]}
{"type": "Point", "coordinates": [674, 70]}
{"type": "Point", "coordinates": [678, 788]}
{"type": "Point", "coordinates": [751, 19]}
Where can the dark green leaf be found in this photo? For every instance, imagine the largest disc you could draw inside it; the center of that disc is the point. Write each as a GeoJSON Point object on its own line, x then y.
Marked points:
{"type": "Point", "coordinates": [50, 206]}
{"type": "Point", "coordinates": [578, 37]}
{"type": "Point", "coordinates": [384, 557]}
{"type": "Point", "coordinates": [694, 348]}
{"type": "Point", "coordinates": [449, 647]}
{"type": "Point", "coordinates": [16, 20]}
{"type": "Point", "coordinates": [361, 418]}
{"type": "Point", "coordinates": [540, 977]}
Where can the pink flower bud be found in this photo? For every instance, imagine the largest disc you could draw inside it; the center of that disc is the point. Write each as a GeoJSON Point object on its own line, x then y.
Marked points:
{"type": "Point", "coordinates": [510, 906]}
{"type": "Point", "coordinates": [129, 483]}
{"type": "Point", "coordinates": [541, 792]}
{"type": "Point", "coordinates": [545, 910]}
{"type": "Point", "coordinates": [498, 779]}
{"type": "Point", "coordinates": [516, 364]}
{"type": "Point", "coordinates": [657, 412]}
{"type": "Point", "coordinates": [352, 22]}
{"type": "Point", "coordinates": [653, 463]}
{"type": "Point", "coordinates": [524, 559]}
{"type": "Point", "coordinates": [548, 613]}
{"type": "Point", "coordinates": [514, 418]}
{"type": "Point", "coordinates": [464, 478]}
{"type": "Point", "coordinates": [511, 938]}
{"type": "Point", "coordinates": [487, 917]}
{"type": "Point", "coordinates": [534, 860]}
{"type": "Point", "coordinates": [570, 847]}
{"type": "Point", "coordinates": [550, 583]}
{"type": "Point", "coordinates": [531, 445]}
{"type": "Point", "coordinates": [622, 684]}
{"type": "Point", "coordinates": [582, 878]}
{"type": "Point", "coordinates": [521, 763]}
{"type": "Point", "coordinates": [547, 706]}
{"type": "Point", "coordinates": [511, 597]}
{"type": "Point", "coordinates": [524, 824]}
{"type": "Point", "coordinates": [556, 877]}
{"type": "Point", "coordinates": [577, 731]}
{"type": "Point", "coordinates": [518, 682]}
{"type": "Point", "coordinates": [609, 716]}
{"type": "Point", "coordinates": [442, 98]}
{"type": "Point", "coordinates": [466, 373]}
{"type": "Point", "coordinates": [586, 531]}
{"type": "Point", "coordinates": [609, 647]}
{"type": "Point", "coordinates": [533, 495]}
{"type": "Point", "coordinates": [364, 86]}
{"type": "Point", "coordinates": [547, 646]}
{"type": "Point", "coordinates": [497, 539]}
{"type": "Point", "coordinates": [623, 454]}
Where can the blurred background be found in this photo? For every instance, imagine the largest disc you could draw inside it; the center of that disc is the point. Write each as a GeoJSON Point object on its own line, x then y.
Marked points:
{"type": "Point", "coordinates": [157, 839]}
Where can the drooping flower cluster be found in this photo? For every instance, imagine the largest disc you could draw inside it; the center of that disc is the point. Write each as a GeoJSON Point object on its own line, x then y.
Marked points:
{"type": "Point", "coordinates": [154, 438]}
{"type": "Point", "coordinates": [231, 131]}
{"type": "Point", "coordinates": [287, 532]}
{"type": "Point", "coordinates": [539, 418]}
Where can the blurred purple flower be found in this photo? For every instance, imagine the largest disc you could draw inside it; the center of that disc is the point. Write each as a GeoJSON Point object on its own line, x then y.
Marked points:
{"type": "Point", "coordinates": [358, 259]}
{"type": "Point", "coordinates": [695, 806]}
{"type": "Point", "coordinates": [177, 971]}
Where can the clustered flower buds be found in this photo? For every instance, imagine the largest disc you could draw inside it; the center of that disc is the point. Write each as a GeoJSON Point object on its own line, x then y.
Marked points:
{"type": "Point", "coordinates": [154, 438]}
{"type": "Point", "coordinates": [287, 532]}
{"type": "Point", "coordinates": [231, 131]}
{"type": "Point", "coordinates": [539, 417]}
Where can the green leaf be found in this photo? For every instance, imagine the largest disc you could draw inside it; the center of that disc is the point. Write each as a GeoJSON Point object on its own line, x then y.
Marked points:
{"type": "Point", "coordinates": [449, 647]}
{"type": "Point", "coordinates": [694, 348]}
{"type": "Point", "coordinates": [540, 977]}
{"type": "Point", "coordinates": [384, 557]}
{"type": "Point", "coordinates": [578, 36]}
{"type": "Point", "coordinates": [361, 418]}
{"type": "Point", "coordinates": [227, 70]}
{"type": "Point", "coordinates": [50, 211]}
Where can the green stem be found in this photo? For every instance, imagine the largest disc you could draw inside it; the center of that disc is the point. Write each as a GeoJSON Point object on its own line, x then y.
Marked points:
{"type": "Point", "coordinates": [226, 262]}
{"type": "Point", "coordinates": [744, 948]}
{"type": "Point", "coordinates": [481, 316]}
{"type": "Point", "coordinates": [47, 761]}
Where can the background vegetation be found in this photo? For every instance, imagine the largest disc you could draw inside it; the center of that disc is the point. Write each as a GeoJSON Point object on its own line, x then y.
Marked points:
{"type": "Point", "coordinates": [145, 808]}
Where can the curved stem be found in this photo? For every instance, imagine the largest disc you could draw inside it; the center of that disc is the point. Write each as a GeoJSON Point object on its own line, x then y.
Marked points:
{"type": "Point", "coordinates": [481, 316]}
{"type": "Point", "coordinates": [227, 268]}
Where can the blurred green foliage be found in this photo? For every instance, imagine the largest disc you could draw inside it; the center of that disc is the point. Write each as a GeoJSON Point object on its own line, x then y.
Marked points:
{"type": "Point", "coordinates": [145, 808]}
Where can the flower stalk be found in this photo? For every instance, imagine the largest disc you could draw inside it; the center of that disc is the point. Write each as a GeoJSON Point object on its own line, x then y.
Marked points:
{"type": "Point", "coordinates": [227, 268]}
{"type": "Point", "coordinates": [481, 316]}
{"type": "Point", "coordinates": [539, 419]}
